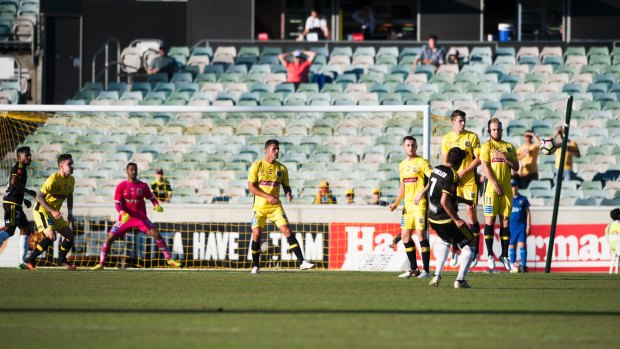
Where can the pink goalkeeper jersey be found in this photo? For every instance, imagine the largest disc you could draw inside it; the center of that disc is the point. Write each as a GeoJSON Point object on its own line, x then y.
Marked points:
{"type": "Point", "coordinates": [131, 195]}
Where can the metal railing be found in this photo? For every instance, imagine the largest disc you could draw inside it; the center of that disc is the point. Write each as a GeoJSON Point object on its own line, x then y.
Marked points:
{"type": "Point", "coordinates": [105, 50]}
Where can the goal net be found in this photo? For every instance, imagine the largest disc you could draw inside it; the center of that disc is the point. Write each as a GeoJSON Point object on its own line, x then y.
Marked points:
{"type": "Point", "coordinates": [205, 154]}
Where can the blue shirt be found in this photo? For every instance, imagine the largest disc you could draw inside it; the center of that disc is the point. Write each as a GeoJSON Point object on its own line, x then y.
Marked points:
{"type": "Point", "coordinates": [518, 218]}
{"type": "Point", "coordinates": [437, 56]}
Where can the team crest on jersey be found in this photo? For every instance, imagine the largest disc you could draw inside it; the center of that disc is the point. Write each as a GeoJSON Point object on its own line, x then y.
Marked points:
{"type": "Point", "coordinates": [279, 173]}
{"type": "Point", "coordinates": [139, 191]}
{"type": "Point", "coordinates": [415, 168]}
{"type": "Point", "coordinates": [421, 220]}
{"type": "Point", "coordinates": [472, 195]}
{"type": "Point", "coordinates": [467, 143]}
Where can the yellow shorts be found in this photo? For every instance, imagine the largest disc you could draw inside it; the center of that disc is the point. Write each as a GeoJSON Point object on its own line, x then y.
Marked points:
{"type": "Point", "coordinates": [43, 222]}
{"type": "Point", "coordinates": [495, 205]}
{"type": "Point", "coordinates": [276, 215]}
{"type": "Point", "coordinates": [468, 191]}
{"type": "Point", "coordinates": [413, 219]}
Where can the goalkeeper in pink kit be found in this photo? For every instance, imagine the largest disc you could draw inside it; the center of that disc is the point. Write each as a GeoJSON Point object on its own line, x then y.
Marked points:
{"type": "Point", "coordinates": [129, 198]}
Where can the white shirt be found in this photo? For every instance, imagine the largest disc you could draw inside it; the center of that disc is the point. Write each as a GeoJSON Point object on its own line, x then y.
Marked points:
{"type": "Point", "coordinates": [313, 22]}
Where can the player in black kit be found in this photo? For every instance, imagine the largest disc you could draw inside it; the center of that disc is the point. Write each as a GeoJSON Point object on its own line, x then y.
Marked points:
{"type": "Point", "coordinates": [444, 220]}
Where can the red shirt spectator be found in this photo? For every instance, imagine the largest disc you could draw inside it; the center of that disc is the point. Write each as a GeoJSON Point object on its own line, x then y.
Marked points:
{"type": "Point", "coordinates": [298, 69]}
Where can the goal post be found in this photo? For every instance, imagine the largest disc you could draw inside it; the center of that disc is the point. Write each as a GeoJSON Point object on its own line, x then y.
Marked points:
{"type": "Point", "coordinates": [204, 147]}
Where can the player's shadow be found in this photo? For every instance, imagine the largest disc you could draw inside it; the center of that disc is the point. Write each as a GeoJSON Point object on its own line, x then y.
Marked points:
{"type": "Point", "coordinates": [311, 311]}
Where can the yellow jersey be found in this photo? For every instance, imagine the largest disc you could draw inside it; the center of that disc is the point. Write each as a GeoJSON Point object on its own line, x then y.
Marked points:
{"type": "Point", "coordinates": [56, 189]}
{"type": "Point", "coordinates": [528, 154]}
{"type": "Point", "coordinates": [412, 174]}
{"type": "Point", "coordinates": [467, 141]}
{"type": "Point", "coordinates": [269, 177]}
{"type": "Point", "coordinates": [612, 229]}
{"type": "Point", "coordinates": [568, 160]}
{"type": "Point", "coordinates": [499, 166]}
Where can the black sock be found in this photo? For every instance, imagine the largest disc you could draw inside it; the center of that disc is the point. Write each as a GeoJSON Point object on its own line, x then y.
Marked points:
{"type": "Point", "coordinates": [255, 247]}
{"type": "Point", "coordinates": [65, 247]}
{"type": "Point", "coordinates": [294, 245]}
{"type": "Point", "coordinates": [396, 240]}
{"type": "Point", "coordinates": [504, 235]}
{"type": "Point", "coordinates": [475, 230]}
{"type": "Point", "coordinates": [488, 238]}
{"type": "Point", "coordinates": [425, 247]}
{"type": "Point", "coordinates": [410, 250]}
{"type": "Point", "coordinates": [39, 248]}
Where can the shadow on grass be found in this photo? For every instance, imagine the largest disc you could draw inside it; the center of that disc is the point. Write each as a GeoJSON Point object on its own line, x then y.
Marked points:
{"type": "Point", "coordinates": [311, 311]}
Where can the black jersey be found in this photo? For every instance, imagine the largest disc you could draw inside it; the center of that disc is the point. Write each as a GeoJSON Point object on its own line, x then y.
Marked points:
{"type": "Point", "coordinates": [443, 180]}
{"type": "Point", "coordinates": [13, 195]}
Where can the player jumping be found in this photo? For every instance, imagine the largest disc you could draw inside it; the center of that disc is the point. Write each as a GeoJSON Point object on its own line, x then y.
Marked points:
{"type": "Point", "coordinates": [264, 180]}
{"type": "Point", "coordinates": [129, 198]}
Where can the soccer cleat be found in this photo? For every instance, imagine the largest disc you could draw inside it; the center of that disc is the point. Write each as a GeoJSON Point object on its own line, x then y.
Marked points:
{"type": "Point", "coordinates": [435, 281]}
{"type": "Point", "coordinates": [524, 269]}
{"type": "Point", "coordinates": [255, 270]}
{"type": "Point", "coordinates": [506, 262]}
{"type": "Point", "coordinates": [461, 284]}
{"type": "Point", "coordinates": [424, 275]}
{"type": "Point", "coordinates": [21, 266]}
{"type": "Point", "coordinates": [66, 264]}
{"type": "Point", "coordinates": [30, 265]}
{"type": "Point", "coordinates": [173, 263]}
{"type": "Point", "coordinates": [491, 262]}
{"type": "Point", "coordinates": [306, 265]}
{"type": "Point", "coordinates": [410, 273]}
{"type": "Point", "coordinates": [97, 267]}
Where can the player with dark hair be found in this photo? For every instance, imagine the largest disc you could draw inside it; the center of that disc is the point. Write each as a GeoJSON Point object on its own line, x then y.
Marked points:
{"type": "Point", "coordinates": [498, 159]}
{"type": "Point", "coordinates": [414, 172]}
{"type": "Point", "coordinates": [264, 180]}
{"type": "Point", "coordinates": [14, 216]}
{"type": "Point", "coordinates": [443, 218]}
{"type": "Point", "coordinates": [129, 198]}
{"type": "Point", "coordinates": [467, 189]}
{"type": "Point", "coordinates": [47, 217]}
{"type": "Point", "coordinates": [520, 228]}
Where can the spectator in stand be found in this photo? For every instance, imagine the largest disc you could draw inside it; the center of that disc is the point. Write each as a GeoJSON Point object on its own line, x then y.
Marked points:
{"type": "Point", "coordinates": [431, 54]}
{"type": "Point", "coordinates": [324, 195]}
{"type": "Point", "coordinates": [163, 63]}
{"type": "Point", "coordinates": [376, 198]}
{"type": "Point", "coordinates": [572, 150]}
{"type": "Point", "coordinates": [298, 69]}
{"type": "Point", "coordinates": [161, 187]}
{"type": "Point", "coordinates": [316, 26]}
{"type": "Point", "coordinates": [453, 57]}
{"type": "Point", "coordinates": [528, 159]}
{"type": "Point", "coordinates": [350, 195]}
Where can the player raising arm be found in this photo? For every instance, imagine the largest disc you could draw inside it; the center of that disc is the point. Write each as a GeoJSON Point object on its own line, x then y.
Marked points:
{"type": "Point", "coordinates": [129, 198]}
{"type": "Point", "coordinates": [414, 172]}
{"type": "Point", "coordinates": [14, 216]}
{"type": "Point", "coordinates": [444, 220]}
{"type": "Point", "coordinates": [47, 217]}
{"type": "Point", "coordinates": [498, 159]}
{"type": "Point", "coordinates": [264, 180]}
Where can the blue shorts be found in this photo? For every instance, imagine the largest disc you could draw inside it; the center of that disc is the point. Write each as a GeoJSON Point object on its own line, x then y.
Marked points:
{"type": "Point", "coordinates": [517, 234]}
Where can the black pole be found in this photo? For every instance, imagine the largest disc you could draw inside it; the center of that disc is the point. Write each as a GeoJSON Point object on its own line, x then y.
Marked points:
{"type": "Point", "coordinates": [558, 184]}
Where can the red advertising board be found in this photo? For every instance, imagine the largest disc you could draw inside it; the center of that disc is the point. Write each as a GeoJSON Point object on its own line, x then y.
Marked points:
{"type": "Point", "coordinates": [578, 248]}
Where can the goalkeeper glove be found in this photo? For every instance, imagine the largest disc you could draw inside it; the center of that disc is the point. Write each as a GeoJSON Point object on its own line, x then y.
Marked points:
{"type": "Point", "coordinates": [124, 217]}
{"type": "Point", "coordinates": [27, 203]}
{"type": "Point", "coordinates": [158, 208]}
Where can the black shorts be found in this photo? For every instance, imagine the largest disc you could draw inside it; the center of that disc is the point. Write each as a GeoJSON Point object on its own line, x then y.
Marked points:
{"type": "Point", "coordinates": [452, 234]}
{"type": "Point", "coordinates": [14, 216]}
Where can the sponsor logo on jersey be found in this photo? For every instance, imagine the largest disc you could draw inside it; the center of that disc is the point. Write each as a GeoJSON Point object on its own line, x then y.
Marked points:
{"type": "Point", "coordinates": [410, 180]}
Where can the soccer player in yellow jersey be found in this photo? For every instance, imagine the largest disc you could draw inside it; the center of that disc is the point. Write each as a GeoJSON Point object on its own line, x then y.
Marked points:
{"type": "Point", "coordinates": [498, 159]}
{"type": "Point", "coordinates": [47, 217]}
{"type": "Point", "coordinates": [467, 189]}
{"type": "Point", "coordinates": [414, 172]}
{"type": "Point", "coordinates": [264, 180]}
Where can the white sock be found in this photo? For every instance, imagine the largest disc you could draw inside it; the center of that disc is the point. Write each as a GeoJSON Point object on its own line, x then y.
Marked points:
{"type": "Point", "coordinates": [23, 247]}
{"type": "Point", "coordinates": [465, 262]}
{"type": "Point", "coordinates": [4, 235]}
{"type": "Point", "coordinates": [441, 249]}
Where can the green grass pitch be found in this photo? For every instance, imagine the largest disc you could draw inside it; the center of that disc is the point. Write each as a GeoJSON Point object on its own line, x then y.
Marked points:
{"type": "Point", "coordinates": [53, 308]}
